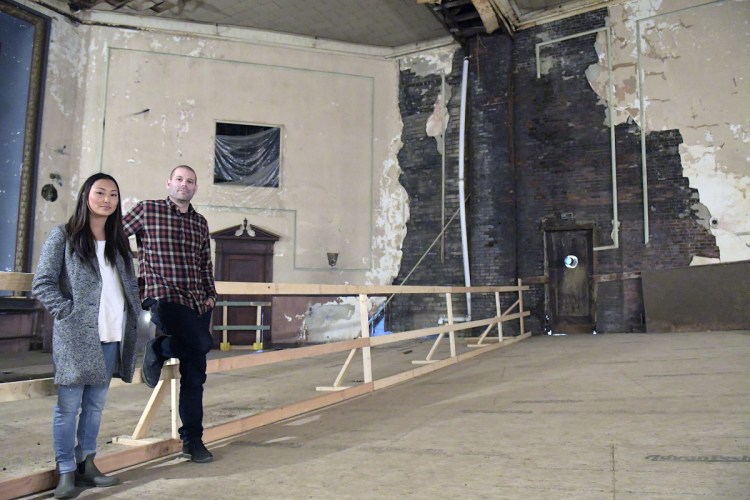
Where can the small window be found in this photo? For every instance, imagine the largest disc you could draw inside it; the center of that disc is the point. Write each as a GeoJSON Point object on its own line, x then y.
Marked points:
{"type": "Point", "coordinates": [247, 155]}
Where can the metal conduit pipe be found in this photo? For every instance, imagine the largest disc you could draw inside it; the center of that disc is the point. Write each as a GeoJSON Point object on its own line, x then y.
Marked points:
{"type": "Point", "coordinates": [461, 195]}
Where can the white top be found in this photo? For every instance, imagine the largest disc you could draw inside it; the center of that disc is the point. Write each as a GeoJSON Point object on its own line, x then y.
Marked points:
{"type": "Point", "coordinates": [112, 303]}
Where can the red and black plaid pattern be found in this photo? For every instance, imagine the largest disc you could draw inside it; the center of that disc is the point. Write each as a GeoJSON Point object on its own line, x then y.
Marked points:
{"type": "Point", "coordinates": [174, 253]}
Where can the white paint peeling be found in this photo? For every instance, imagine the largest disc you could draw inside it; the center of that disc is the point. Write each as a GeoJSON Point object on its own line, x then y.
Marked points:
{"type": "Point", "coordinates": [709, 107]}
{"type": "Point", "coordinates": [740, 133]}
{"type": "Point", "coordinates": [437, 122]}
{"type": "Point", "coordinates": [66, 61]}
{"type": "Point", "coordinates": [390, 221]}
{"type": "Point", "coordinates": [439, 61]}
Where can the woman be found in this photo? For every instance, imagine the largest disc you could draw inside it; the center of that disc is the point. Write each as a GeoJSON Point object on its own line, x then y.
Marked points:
{"type": "Point", "coordinates": [86, 281]}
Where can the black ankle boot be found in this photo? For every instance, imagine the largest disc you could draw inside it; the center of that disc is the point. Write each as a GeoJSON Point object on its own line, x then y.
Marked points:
{"type": "Point", "coordinates": [88, 475]}
{"type": "Point", "coordinates": [65, 485]}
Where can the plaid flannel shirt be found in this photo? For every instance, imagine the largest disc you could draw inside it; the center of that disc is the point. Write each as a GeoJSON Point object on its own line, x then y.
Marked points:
{"type": "Point", "coordinates": [174, 253]}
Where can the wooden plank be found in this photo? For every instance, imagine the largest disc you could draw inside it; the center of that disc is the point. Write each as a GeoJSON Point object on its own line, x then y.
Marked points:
{"type": "Point", "coordinates": [16, 282]}
{"type": "Point", "coordinates": [228, 303]}
{"type": "Point", "coordinates": [149, 412]}
{"type": "Point", "coordinates": [243, 288]}
{"type": "Point", "coordinates": [258, 321]}
{"type": "Point", "coordinates": [27, 389]}
{"type": "Point", "coordinates": [224, 321]}
{"type": "Point", "coordinates": [486, 331]}
{"type": "Point", "coordinates": [424, 332]}
{"type": "Point", "coordinates": [364, 324]}
{"type": "Point", "coordinates": [434, 347]}
{"type": "Point", "coordinates": [47, 479]}
{"type": "Point", "coordinates": [173, 399]}
{"type": "Point", "coordinates": [520, 306]}
{"type": "Point", "coordinates": [452, 333]}
{"type": "Point", "coordinates": [517, 315]}
{"type": "Point", "coordinates": [43, 387]}
{"type": "Point", "coordinates": [410, 374]}
{"type": "Point", "coordinates": [270, 357]}
{"type": "Point", "coordinates": [337, 382]}
{"type": "Point", "coordinates": [234, 328]}
{"type": "Point", "coordinates": [245, 424]}
{"type": "Point", "coordinates": [498, 311]}
{"type": "Point", "coordinates": [22, 282]}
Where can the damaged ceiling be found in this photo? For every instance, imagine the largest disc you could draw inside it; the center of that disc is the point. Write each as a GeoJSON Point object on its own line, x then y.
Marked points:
{"type": "Point", "coordinates": [383, 23]}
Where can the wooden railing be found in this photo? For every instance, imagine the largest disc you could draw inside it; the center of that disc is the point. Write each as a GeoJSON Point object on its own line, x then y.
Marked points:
{"type": "Point", "coordinates": [150, 449]}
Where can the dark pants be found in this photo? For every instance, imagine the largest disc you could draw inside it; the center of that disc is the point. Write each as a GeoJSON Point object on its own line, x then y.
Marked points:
{"type": "Point", "coordinates": [187, 337]}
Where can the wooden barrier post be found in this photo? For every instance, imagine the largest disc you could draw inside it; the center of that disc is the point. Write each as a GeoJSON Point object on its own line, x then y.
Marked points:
{"type": "Point", "coordinates": [452, 333]}
{"type": "Point", "coordinates": [520, 306]}
{"type": "Point", "coordinates": [337, 383]}
{"type": "Point", "coordinates": [174, 370]}
{"type": "Point", "coordinates": [365, 324]}
{"type": "Point", "coordinates": [224, 346]}
{"type": "Point", "coordinates": [258, 345]}
{"type": "Point", "coordinates": [499, 313]}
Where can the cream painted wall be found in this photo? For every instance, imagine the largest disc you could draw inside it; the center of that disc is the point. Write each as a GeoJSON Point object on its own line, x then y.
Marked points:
{"type": "Point", "coordinates": [695, 59]}
{"type": "Point", "coordinates": [160, 94]}
{"type": "Point", "coordinates": [340, 136]}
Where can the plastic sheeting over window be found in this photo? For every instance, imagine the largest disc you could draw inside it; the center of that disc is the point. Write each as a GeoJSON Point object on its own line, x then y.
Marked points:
{"type": "Point", "coordinates": [248, 160]}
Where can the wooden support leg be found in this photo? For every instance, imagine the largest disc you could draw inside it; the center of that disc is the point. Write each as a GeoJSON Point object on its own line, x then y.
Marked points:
{"type": "Point", "coordinates": [365, 325]}
{"type": "Point", "coordinates": [482, 337]}
{"type": "Point", "coordinates": [451, 334]}
{"type": "Point", "coordinates": [224, 346]}
{"type": "Point", "coordinates": [429, 359]}
{"type": "Point", "coordinates": [149, 413]}
{"type": "Point", "coordinates": [175, 371]}
{"type": "Point", "coordinates": [520, 306]}
{"type": "Point", "coordinates": [499, 313]}
{"type": "Point", "coordinates": [337, 383]}
{"type": "Point", "coordinates": [258, 333]}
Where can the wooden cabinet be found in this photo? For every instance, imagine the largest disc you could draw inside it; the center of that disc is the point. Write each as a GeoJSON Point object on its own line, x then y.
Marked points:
{"type": "Point", "coordinates": [243, 253]}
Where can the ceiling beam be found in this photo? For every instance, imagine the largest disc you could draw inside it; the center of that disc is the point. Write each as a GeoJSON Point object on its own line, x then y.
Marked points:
{"type": "Point", "coordinates": [487, 14]}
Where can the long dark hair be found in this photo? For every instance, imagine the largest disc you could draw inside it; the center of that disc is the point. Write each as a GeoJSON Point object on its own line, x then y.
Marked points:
{"type": "Point", "coordinates": [79, 231]}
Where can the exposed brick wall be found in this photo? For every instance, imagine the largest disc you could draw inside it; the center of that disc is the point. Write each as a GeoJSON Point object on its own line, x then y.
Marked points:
{"type": "Point", "coordinates": [538, 150]}
{"type": "Point", "coordinates": [421, 165]}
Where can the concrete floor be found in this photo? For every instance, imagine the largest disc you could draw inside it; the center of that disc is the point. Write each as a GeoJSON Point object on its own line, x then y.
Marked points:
{"type": "Point", "coordinates": [619, 416]}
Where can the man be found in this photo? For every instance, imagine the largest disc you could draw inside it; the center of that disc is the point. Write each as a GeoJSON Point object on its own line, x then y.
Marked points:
{"type": "Point", "coordinates": [177, 285]}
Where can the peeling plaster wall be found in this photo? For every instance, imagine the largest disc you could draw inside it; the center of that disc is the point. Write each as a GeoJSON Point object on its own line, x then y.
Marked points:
{"type": "Point", "coordinates": [696, 78]}
{"type": "Point", "coordinates": [61, 128]}
{"type": "Point", "coordinates": [160, 95]}
{"type": "Point", "coordinates": [338, 120]}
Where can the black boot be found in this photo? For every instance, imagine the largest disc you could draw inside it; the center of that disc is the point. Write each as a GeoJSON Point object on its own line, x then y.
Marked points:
{"type": "Point", "coordinates": [88, 475]}
{"type": "Point", "coordinates": [196, 451]}
{"type": "Point", "coordinates": [65, 485]}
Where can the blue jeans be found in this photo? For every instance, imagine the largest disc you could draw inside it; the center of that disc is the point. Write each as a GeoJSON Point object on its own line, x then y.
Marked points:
{"type": "Point", "coordinates": [188, 338]}
{"type": "Point", "coordinates": [89, 399]}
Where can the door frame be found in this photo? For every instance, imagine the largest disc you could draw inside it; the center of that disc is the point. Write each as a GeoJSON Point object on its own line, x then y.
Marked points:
{"type": "Point", "coordinates": [553, 326]}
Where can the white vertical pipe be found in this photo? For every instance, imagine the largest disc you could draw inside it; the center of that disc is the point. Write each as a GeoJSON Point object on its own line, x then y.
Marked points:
{"type": "Point", "coordinates": [461, 195]}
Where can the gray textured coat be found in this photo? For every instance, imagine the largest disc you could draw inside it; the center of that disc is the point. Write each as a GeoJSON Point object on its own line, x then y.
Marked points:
{"type": "Point", "coordinates": [71, 289]}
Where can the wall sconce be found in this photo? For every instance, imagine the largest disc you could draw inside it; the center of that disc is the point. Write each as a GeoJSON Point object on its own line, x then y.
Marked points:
{"type": "Point", "coordinates": [333, 257]}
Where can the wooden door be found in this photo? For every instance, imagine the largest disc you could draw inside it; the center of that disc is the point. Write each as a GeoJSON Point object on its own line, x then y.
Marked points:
{"type": "Point", "coordinates": [570, 305]}
{"type": "Point", "coordinates": [244, 253]}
